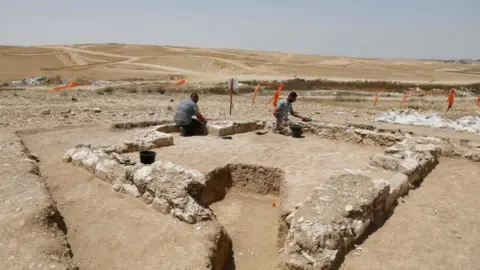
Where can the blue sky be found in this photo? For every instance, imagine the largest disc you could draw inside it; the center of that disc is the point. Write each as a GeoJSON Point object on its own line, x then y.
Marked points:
{"type": "Point", "coordinates": [364, 28]}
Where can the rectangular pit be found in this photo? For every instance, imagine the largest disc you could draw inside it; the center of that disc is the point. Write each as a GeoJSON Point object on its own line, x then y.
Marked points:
{"type": "Point", "coordinates": [251, 214]}
{"type": "Point", "coordinates": [307, 162]}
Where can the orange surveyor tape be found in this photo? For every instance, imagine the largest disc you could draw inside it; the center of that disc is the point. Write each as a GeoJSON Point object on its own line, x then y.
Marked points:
{"type": "Point", "coordinates": [69, 85]}
{"type": "Point", "coordinates": [451, 98]}
{"type": "Point", "coordinates": [176, 84]}
{"type": "Point", "coordinates": [478, 101]}
{"type": "Point", "coordinates": [407, 93]}
{"type": "Point", "coordinates": [255, 93]}
{"type": "Point", "coordinates": [276, 96]}
{"type": "Point", "coordinates": [404, 98]}
{"type": "Point", "coordinates": [375, 99]}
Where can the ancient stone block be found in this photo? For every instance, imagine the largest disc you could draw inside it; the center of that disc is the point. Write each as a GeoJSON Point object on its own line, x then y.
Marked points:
{"type": "Point", "coordinates": [221, 129]}
{"type": "Point", "coordinates": [384, 162]}
{"type": "Point", "coordinates": [399, 186]}
{"type": "Point", "coordinates": [168, 128]}
{"type": "Point", "coordinates": [161, 205]}
{"type": "Point", "coordinates": [336, 214]}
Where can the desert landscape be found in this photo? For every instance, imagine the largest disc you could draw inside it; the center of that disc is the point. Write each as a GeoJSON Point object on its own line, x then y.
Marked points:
{"type": "Point", "coordinates": [384, 176]}
{"type": "Point", "coordinates": [126, 62]}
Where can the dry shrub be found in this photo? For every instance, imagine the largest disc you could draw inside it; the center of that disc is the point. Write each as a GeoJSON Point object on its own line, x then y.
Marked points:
{"type": "Point", "coordinates": [364, 85]}
{"type": "Point", "coordinates": [132, 90]}
{"type": "Point", "coordinates": [105, 91]}
{"type": "Point", "coordinates": [54, 80]}
{"type": "Point", "coordinates": [344, 99]}
{"type": "Point", "coordinates": [108, 90]}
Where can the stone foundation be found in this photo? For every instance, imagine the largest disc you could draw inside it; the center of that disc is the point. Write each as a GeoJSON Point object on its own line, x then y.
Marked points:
{"type": "Point", "coordinates": [323, 228]}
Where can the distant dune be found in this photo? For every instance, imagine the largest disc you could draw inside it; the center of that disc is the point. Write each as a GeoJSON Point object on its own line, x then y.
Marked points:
{"type": "Point", "coordinates": [123, 62]}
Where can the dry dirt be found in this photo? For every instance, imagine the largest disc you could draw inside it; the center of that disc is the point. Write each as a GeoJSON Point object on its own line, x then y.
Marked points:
{"type": "Point", "coordinates": [109, 230]}
{"type": "Point", "coordinates": [120, 62]}
{"type": "Point", "coordinates": [101, 222]}
{"type": "Point", "coordinates": [437, 226]}
{"type": "Point", "coordinates": [35, 108]}
{"type": "Point", "coordinates": [251, 221]}
{"type": "Point", "coordinates": [307, 162]}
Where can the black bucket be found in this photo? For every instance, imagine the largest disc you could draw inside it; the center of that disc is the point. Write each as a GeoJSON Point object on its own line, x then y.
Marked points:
{"type": "Point", "coordinates": [147, 157]}
{"type": "Point", "coordinates": [296, 131]}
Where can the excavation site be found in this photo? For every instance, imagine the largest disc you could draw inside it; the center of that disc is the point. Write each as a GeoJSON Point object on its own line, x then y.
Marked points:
{"type": "Point", "coordinates": [144, 157]}
{"type": "Point", "coordinates": [239, 197]}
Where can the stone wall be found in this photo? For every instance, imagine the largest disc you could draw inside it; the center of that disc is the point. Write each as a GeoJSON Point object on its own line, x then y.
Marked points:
{"type": "Point", "coordinates": [324, 227]}
{"type": "Point", "coordinates": [369, 135]}
{"type": "Point", "coordinates": [225, 128]}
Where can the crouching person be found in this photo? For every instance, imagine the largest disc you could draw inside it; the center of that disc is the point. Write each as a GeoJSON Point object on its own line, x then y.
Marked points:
{"type": "Point", "coordinates": [284, 107]}
{"type": "Point", "coordinates": [183, 117]}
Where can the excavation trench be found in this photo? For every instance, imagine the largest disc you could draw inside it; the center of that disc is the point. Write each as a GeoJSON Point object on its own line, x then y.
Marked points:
{"type": "Point", "coordinates": [249, 201]}
{"type": "Point", "coordinates": [108, 229]}
{"type": "Point", "coordinates": [51, 216]}
{"type": "Point", "coordinates": [245, 200]}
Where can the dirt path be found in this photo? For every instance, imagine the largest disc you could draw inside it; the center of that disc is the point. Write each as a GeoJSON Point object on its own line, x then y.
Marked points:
{"type": "Point", "coordinates": [109, 230]}
{"type": "Point", "coordinates": [251, 222]}
{"type": "Point", "coordinates": [130, 60]}
{"type": "Point", "coordinates": [438, 226]}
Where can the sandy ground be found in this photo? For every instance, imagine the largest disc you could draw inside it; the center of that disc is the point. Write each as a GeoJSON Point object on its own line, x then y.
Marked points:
{"type": "Point", "coordinates": [101, 222]}
{"type": "Point", "coordinates": [109, 230]}
{"type": "Point", "coordinates": [25, 208]}
{"type": "Point", "coordinates": [119, 62]}
{"type": "Point", "coordinates": [251, 221]}
{"type": "Point", "coordinates": [437, 226]}
{"type": "Point", "coordinates": [307, 162]}
{"type": "Point", "coordinates": [22, 109]}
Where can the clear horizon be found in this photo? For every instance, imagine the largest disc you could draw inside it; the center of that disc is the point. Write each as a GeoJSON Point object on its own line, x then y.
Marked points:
{"type": "Point", "coordinates": [423, 29]}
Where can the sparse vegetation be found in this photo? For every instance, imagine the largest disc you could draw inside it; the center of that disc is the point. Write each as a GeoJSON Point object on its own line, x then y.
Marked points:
{"type": "Point", "coordinates": [54, 80]}
{"type": "Point", "coordinates": [105, 91]}
{"type": "Point", "coordinates": [302, 84]}
{"type": "Point", "coordinates": [148, 90]}
{"type": "Point", "coordinates": [132, 90]}
{"type": "Point", "coordinates": [160, 90]}
{"type": "Point", "coordinates": [109, 90]}
{"type": "Point", "coordinates": [344, 99]}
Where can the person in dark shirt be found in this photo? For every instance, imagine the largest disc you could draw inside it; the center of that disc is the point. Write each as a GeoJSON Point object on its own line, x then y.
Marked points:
{"type": "Point", "coordinates": [183, 117]}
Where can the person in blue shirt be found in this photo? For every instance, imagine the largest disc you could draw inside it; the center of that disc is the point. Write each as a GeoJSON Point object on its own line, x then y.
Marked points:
{"type": "Point", "coordinates": [183, 117]}
{"type": "Point", "coordinates": [284, 107]}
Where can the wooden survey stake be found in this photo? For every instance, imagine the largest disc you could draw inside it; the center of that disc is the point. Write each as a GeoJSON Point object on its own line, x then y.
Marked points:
{"type": "Point", "coordinates": [232, 84]}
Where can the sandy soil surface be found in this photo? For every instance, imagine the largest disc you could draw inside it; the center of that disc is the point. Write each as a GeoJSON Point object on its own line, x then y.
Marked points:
{"type": "Point", "coordinates": [101, 221]}
{"type": "Point", "coordinates": [251, 221]}
{"type": "Point", "coordinates": [254, 239]}
{"type": "Point", "coordinates": [26, 210]}
{"type": "Point", "coordinates": [109, 230]}
{"type": "Point", "coordinates": [307, 162]}
{"type": "Point", "coordinates": [437, 226]}
{"type": "Point", "coordinates": [35, 108]}
{"type": "Point", "coordinates": [117, 62]}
